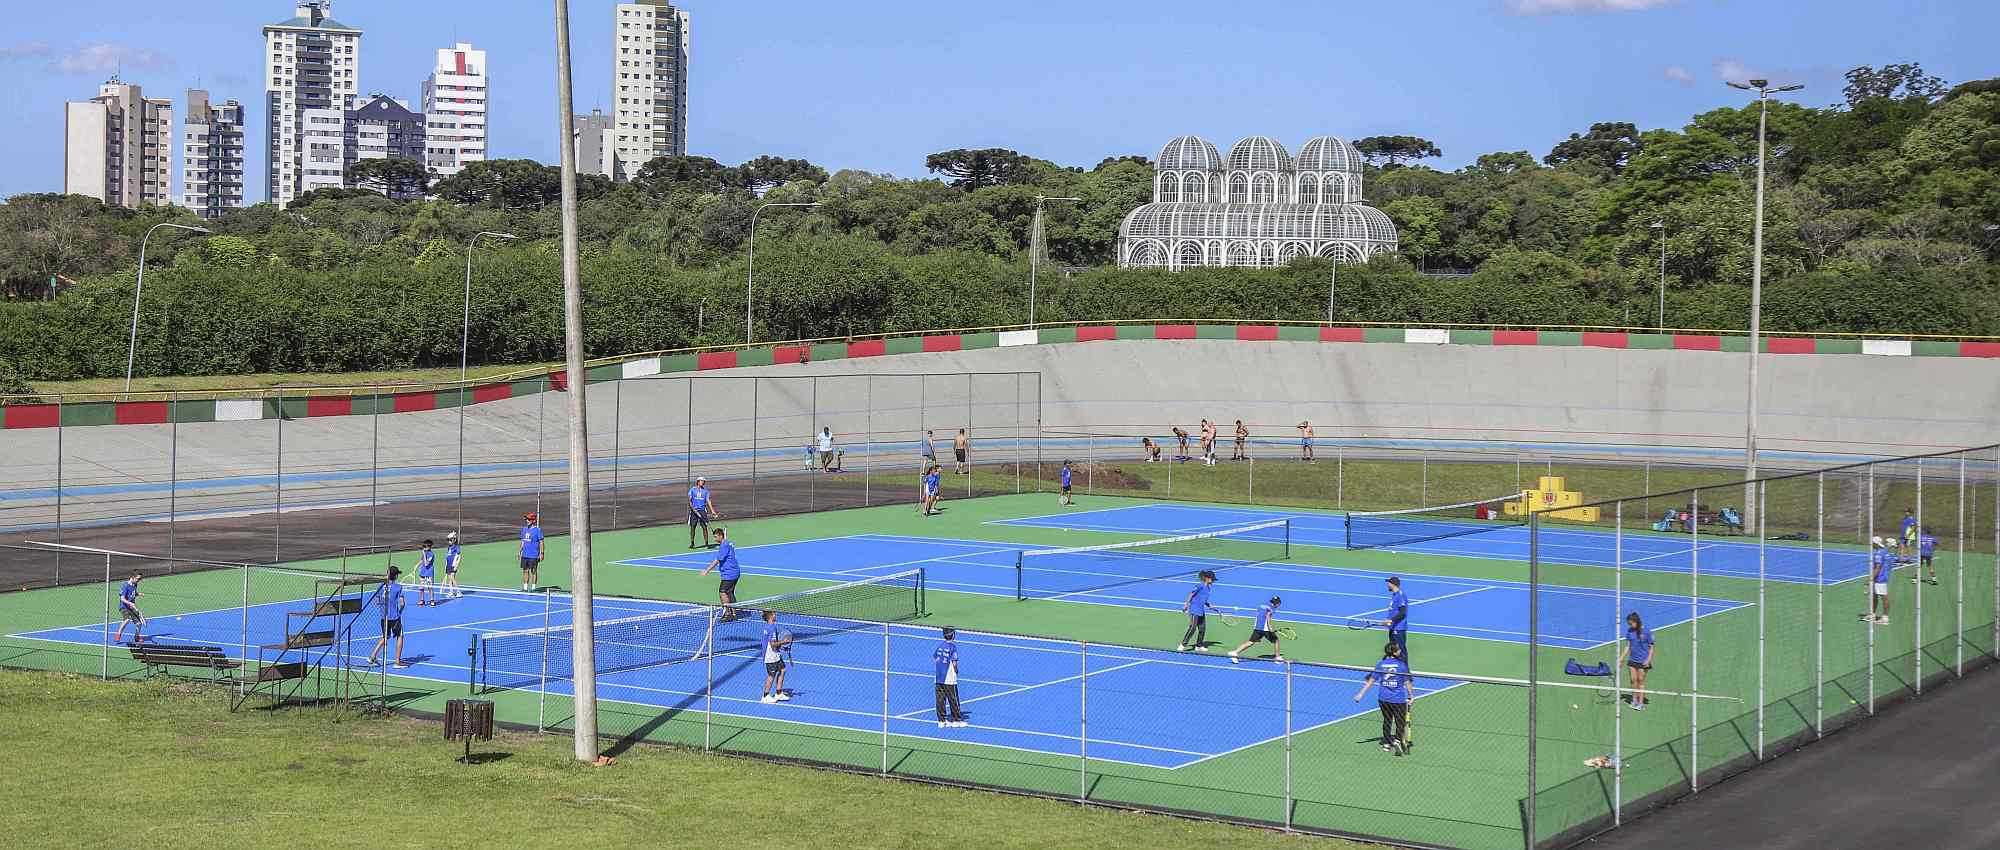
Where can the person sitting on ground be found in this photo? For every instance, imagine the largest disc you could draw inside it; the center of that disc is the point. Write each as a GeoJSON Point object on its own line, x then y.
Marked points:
{"type": "Point", "coordinates": [1731, 520]}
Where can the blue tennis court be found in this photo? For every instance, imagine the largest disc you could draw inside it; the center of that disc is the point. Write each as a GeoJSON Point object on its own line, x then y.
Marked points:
{"type": "Point", "coordinates": [1573, 617]}
{"type": "Point", "coordinates": [1142, 707]}
{"type": "Point", "coordinates": [1719, 556]}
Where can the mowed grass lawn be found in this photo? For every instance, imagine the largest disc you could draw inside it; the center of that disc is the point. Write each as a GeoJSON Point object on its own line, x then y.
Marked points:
{"type": "Point", "coordinates": [97, 764]}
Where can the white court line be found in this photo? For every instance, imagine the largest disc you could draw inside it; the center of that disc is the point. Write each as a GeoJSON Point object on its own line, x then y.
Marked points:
{"type": "Point", "coordinates": [1296, 732]}
{"type": "Point", "coordinates": [1011, 691]}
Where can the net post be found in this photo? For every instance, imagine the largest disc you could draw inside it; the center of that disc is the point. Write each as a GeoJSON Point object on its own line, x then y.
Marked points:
{"type": "Point", "coordinates": [1288, 546]}
{"type": "Point", "coordinates": [1083, 721]}
{"type": "Point", "coordinates": [885, 699]}
{"type": "Point", "coordinates": [1819, 608]}
{"type": "Point", "coordinates": [1020, 576]}
{"type": "Point", "coordinates": [1763, 527]}
{"type": "Point", "coordinates": [1288, 746]}
{"type": "Point", "coordinates": [1694, 641]}
{"type": "Point", "coordinates": [1617, 693]}
{"type": "Point", "coordinates": [1534, 647]}
{"type": "Point", "coordinates": [472, 665]}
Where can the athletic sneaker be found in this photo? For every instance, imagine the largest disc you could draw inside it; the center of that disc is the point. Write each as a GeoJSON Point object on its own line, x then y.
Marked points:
{"type": "Point", "coordinates": [767, 699]}
{"type": "Point", "coordinates": [1233, 659]}
{"type": "Point", "coordinates": [959, 724]}
{"type": "Point", "coordinates": [1203, 648]}
{"type": "Point", "coordinates": [784, 697]}
{"type": "Point", "coordinates": [1881, 619]}
{"type": "Point", "coordinates": [944, 724]}
{"type": "Point", "coordinates": [1278, 658]}
{"type": "Point", "coordinates": [1181, 648]}
{"type": "Point", "coordinates": [402, 665]}
{"type": "Point", "coordinates": [1638, 706]}
{"type": "Point", "coordinates": [1388, 748]}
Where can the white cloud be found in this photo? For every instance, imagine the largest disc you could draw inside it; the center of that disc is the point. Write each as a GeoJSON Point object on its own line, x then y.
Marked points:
{"type": "Point", "coordinates": [24, 50]}
{"type": "Point", "coordinates": [1571, 7]}
{"type": "Point", "coordinates": [103, 58]}
{"type": "Point", "coordinates": [1679, 75]}
{"type": "Point", "coordinates": [1733, 70]}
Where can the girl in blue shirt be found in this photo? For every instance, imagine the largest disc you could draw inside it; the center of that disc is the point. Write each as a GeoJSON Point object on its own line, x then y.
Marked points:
{"type": "Point", "coordinates": [1393, 676]}
{"type": "Point", "coordinates": [1637, 655]}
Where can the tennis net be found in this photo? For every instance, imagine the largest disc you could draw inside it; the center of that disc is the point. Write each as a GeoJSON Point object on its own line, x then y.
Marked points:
{"type": "Point", "coordinates": [526, 658]}
{"type": "Point", "coordinates": [1058, 573]}
{"type": "Point", "coordinates": [1379, 529]}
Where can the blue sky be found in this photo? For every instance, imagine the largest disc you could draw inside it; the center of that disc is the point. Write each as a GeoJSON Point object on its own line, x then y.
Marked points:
{"type": "Point", "coordinates": [877, 85]}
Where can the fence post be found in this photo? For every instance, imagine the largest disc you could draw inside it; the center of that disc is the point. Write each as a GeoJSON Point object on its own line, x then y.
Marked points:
{"type": "Point", "coordinates": [1534, 646]}
{"type": "Point", "coordinates": [1763, 527]}
{"type": "Point", "coordinates": [1958, 627]}
{"type": "Point", "coordinates": [708, 679]}
{"type": "Point", "coordinates": [1424, 469]}
{"type": "Point", "coordinates": [104, 648]}
{"type": "Point", "coordinates": [970, 464]}
{"type": "Point", "coordinates": [1694, 640]}
{"type": "Point", "coordinates": [1819, 609]}
{"type": "Point", "coordinates": [617, 442]}
{"type": "Point", "coordinates": [278, 515]}
{"type": "Point", "coordinates": [1867, 537]}
{"type": "Point", "coordinates": [1917, 573]}
{"type": "Point", "coordinates": [868, 440]}
{"type": "Point", "coordinates": [1617, 685]}
{"type": "Point", "coordinates": [541, 429]}
{"type": "Point", "coordinates": [1288, 746]}
{"type": "Point", "coordinates": [174, 471]}
{"type": "Point", "coordinates": [542, 685]}
{"type": "Point", "coordinates": [375, 461]}
{"type": "Point", "coordinates": [245, 637]}
{"type": "Point", "coordinates": [1090, 466]}
{"type": "Point", "coordinates": [1340, 477]}
{"type": "Point", "coordinates": [1083, 721]}
{"type": "Point", "coordinates": [885, 698]}
{"type": "Point", "coordinates": [59, 506]}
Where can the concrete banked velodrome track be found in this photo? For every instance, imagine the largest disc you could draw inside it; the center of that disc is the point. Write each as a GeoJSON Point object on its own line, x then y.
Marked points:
{"type": "Point", "coordinates": [1817, 409]}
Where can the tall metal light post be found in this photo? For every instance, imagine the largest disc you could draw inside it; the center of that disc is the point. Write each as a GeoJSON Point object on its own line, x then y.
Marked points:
{"type": "Point", "coordinates": [1661, 226]}
{"type": "Point", "coordinates": [1034, 249]}
{"type": "Point", "coordinates": [583, 648]}
{"type": "Point", "coordinates": [1764, 91]}
{"type": "Point", "coordinates": [465, 345]}
{"type": "Point", "coordinates": [750, 285]}
{"type": "Point", "coordinates": [132, 346]}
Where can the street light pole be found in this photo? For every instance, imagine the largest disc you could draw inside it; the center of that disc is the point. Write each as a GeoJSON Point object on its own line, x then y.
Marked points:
{"type": "Point", "coordinates": [465, 345]}
{"type": "Point", "coordinates": [1661, 226]}
{"type": "Point", "coordinates": [1764, 91]}
{"type": "Point", "coordinates": [132, 345]}
{"type": "Point", "coordinates": [750, 285]}
{"type": "Point", "coordinates": [1034, 250]}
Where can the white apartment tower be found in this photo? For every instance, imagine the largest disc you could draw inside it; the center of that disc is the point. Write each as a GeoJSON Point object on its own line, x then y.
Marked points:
{"type": "Point", "coordinates": [648, 85]}
{"type": "Point", "coordinates": [454, 101]}
{"type": "Point", "coordinates": [117, 146]}
{"type": "Point", "coordinates": [311, 70]}
{"type": "Point", "coordinates": [211, 155]}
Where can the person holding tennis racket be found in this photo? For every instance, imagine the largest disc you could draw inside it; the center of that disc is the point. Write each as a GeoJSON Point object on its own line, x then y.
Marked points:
{"type": "Point", "coordinates": [1392, 674]}
{"type": "Point", "coordinates": [728, 569]}
{"type": "Point", "coordinates": [701, 509]}
{"type": "Point", "coordinates": [1264, 630]}
{"type": "Point", "coordinates": [775, 645]}
{"type": "Point", "coordinates": [1399, 617]}
{"type": "Point", "coordinates": [128, 611]}
{"type": "Point", "coordinates": [1196, 608]}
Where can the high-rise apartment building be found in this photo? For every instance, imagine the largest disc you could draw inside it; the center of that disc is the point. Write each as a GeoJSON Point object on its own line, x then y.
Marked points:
{"type": "Point", "coordinates": [211, 155]}
{"type": "Point", "coordinates": [595, 144]}
{"type": "Point", "coordinates": [454, 107]}
{"type": "Point", "coordinates": [117, 146]}
{"type": "Point", "coordinates": [385, 128]}
{"type": "Point", "coordinates": [648, 84]}
{"type": "Point", "coordinates": [312, 66]}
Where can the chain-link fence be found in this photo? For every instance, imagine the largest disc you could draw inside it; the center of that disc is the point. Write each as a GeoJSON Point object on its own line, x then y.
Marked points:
{"type": "Point", "coordinates": [1831, 595]}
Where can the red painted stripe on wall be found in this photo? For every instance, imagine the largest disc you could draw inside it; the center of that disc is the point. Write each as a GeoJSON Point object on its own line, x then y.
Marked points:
{"type": "Point", "coordinates": [1517, 337]}
{"type": "Point", "coordinates": [1979, 349]}
{"type": "Point", "coordinates": [1605, 339]}
{"type": "Point", "coordinates": [329, 406]}
{"type": "Point", "coordinates": [31, 415]}
{"type": "Point", "coordinates": [1173, 331]}
{"type": "Point", "coordinates": [1791, 345]}
{"type": "Point", "coordinates": [1257, 333]}
{"type": "Point", "coordinates": [1096, 333]}
{"type": "Point", "coordinates": [951, 342]}
{"type": "Point", "coordinates": [411, 402]}
{"type": "Point", "coordinates": [1340, 334]}
{"type": "Point", "coordinates": [492, 392]}
{"type": "Point", "coordinates": [791, 354]}
{"type": "Point", "coordinates": [867, 348]}
{"type": "Point", "coordinates": [715, 360]}
{"type": "Point", "coordinates": [1697, 342]}
{"type": "Point", "coordinates": [139, 413]}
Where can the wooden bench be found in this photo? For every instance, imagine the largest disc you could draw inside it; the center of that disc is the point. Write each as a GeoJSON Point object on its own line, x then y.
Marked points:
{"type": "Point", "coordinates": [164, 656]}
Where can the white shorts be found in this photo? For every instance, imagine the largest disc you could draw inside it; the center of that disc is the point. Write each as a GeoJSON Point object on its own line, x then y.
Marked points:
{"type": "Point", "coordinates": [1881, 588]}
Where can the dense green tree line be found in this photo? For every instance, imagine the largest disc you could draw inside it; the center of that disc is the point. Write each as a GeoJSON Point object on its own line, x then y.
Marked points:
{"type": "Point", "coordinates": [1881, 216]}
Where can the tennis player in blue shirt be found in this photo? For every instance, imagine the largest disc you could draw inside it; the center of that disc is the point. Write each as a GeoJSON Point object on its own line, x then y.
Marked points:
{"type": "Point", "coordinates": [701, 509]}
{"type": "Point", "coordinates": [128, 611]}
{"type": "Point", "coordinates": [1065, 484]}
{"type": "Point", "coordinates": [728, 569]}
{"type": "Point", "coordinates": [1264, 630]}
{"type": "Point", "coordinates": [1927, 549]}
{"type": "Point", "coordinates": [927, 503]}
{"type": "Point", "coordinates": [1399, 617]}
{"type": "Point", "coordinates": [1878, 589]}
{"type": "Point", "coordinates": [1637, 654]}
{"type": "Point", "coordinates": [944, 662]}
{"type": "Point", "coordinates": [774, 660]}
{"type": "Point", "coordinates": [1392, 674]}
{"type": "Point", "coordinates": [426, 571]}
{"type": "Point", "coordinates": [531, 552]}
{"type": "Point", "coordinates": [451, 565]}
{"type": "Point", "coordinates": [1197, 607]}
{"type": "Point", "coordinates": [1907, 540]}
{"type": "Point", "coordinates": [391, 600]}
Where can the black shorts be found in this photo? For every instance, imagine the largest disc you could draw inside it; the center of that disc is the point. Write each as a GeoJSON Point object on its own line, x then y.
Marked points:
{"type": "Point", "coordinates": [774, 667]}
{"type": "Point", "coordinates": [1065, 488]}
{"type": "Point", "coordinates": [131, 615]}
{"type": "Point", "coordinates": [696, 517]}
{"type": "Point", "coordinates": [392, 628]}
{"type": "Point", "coordinates": [958, 454]}
{"type": "Point", "coordinates": [1927, 559]}
{"type": "Point", "coordinates": [727, 586]}
{"type": "Point", "coordinates": [1638, 666]}
{"type": "Point", "coordinates": [1257, 635]}
{"type": "Point", "coordinates": [530, 564]}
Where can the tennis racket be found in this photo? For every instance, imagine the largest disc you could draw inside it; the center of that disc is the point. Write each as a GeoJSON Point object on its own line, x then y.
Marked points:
{"type": "Point", "coordinates": [1227, 620]}
{"type": "Point", "coordinates": [785, 641]}
{"type": "Point", "coordinates": [1359, 623]}
{"type": "Point", "coordinates": [1287, 633]}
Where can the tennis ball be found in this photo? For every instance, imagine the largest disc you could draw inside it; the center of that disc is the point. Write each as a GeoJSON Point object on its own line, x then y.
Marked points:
{"type": "Point", "coordinates": [1574, 707]}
